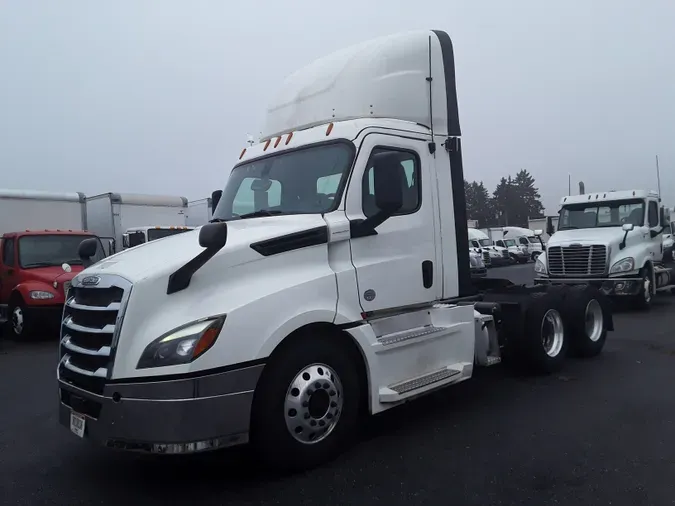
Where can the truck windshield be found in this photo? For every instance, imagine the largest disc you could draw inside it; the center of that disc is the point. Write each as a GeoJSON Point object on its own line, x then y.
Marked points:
{"type": "Point", "coordinates": [305, 181]}
{"type": "Point", "coordinates": [533, 239]}
{"type": "Point", "coordinates": [510, 242]}
{"type": "Point", "coordinates": [485, 242]}
{"type": "Point", "coordinates": [51, 250]}
{"type": "Point", "coordinates": [158, 233]}
{"type": "Point", "coordinates": [602, 214]}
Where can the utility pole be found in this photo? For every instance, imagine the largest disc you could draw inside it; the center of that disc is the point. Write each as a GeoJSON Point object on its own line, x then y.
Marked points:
{"type": "Point", "coordinates": [658, 176]}
{"type": "Point", "coordinates": [569, 184]}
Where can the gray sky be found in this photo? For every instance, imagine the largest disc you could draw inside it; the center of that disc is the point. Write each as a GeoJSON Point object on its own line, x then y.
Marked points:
{"type": "Point", "coordinates": [158, 96]}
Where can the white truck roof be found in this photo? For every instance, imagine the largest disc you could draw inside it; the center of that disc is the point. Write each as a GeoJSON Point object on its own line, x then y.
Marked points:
{"type": "Point", "coordinates": [609, 196]}
{"type": "Point", "coordinates": [517, 231]}
{"type": "Point", "coordinates": [381, 78]}
{"type": "Point", "coordinates": [41, 195]}
{"type": "Point", "coordinates": [139, 199]}
{"type": "Point", "coordinates": [477, 235]}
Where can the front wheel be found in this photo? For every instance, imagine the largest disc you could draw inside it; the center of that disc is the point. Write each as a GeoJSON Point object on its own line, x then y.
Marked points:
{"type": "Point", "coordinates": [306, 405]}
{"type": "Point", "coordinates": [643, 300]}
{"type": "Point", "coordinates": [20, 323]}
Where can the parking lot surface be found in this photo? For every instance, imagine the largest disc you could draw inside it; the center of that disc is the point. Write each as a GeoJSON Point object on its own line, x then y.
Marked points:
{"type": "Point", "coordinates": [600, 432]}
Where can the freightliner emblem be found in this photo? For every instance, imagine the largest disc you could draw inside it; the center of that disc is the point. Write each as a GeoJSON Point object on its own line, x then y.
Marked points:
{"type": "Point", "coordinates": [91, 281]}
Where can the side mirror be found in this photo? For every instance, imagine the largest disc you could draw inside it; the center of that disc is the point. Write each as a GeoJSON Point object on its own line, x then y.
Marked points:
{"type": "Point", "coordinates": [538, 232]}
{"type": "Point", "coordinates": [215, 198]}
{"type": "Point", "coordinates": [135, 238]}
{"type": "Point", "coordinates": [626, 227]}
{"type": "Point", "coordinates": [213, 236]}
{"type": "Point", "coordinates": [86, 250]}
{"type": "Point", "coordinates": [550, 230]}
{"type": "Point", "coordinates": [125, 240]}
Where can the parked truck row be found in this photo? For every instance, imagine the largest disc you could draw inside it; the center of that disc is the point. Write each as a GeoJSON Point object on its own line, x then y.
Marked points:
{"type": "Point", "coordinates": [40, 233]}
{"type": "Point", "coordinates": [335, 281]}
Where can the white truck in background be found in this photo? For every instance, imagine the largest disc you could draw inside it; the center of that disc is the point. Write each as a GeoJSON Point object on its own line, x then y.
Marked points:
{"type": "Point", "coordinates": [544, 224]}
{"type": "Point", "coordinates": [135, 236]}
{"type": "Point", "coordinates": [22, 210]}
{"type": "Point", "coordinates": [113, 214]}
{"type": "Point", "coordinates": [492, 254]}
{"type": "Point", "coordinates": [526, 238]}
{"type": "Point", "coordinates": [613, 240]}
{"type": "Point", "coordinates": [297, 312]}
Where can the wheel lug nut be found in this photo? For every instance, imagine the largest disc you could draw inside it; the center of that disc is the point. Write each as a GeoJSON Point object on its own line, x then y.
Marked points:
{"type": "Point", "coordinates": [317, 385]}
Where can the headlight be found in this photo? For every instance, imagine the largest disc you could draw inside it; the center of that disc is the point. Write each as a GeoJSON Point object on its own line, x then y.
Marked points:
{"type": "Point", "coordinates": [623, 265]}
{"type": "Point", "coordinates": [182, 345]}
{"type": "Point", "coordinates": [41, 295]}
{"type": "Point", "coordinates": [539, 267]}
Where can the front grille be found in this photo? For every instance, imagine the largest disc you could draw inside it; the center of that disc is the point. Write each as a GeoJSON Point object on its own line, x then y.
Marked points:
{"type": "Point", "coordinates": [505, 253]}
{"type": "Point", "coordinates": [577, 260]}
{"type": "Point", "coordinates": [486, 257]}
{"type": "Point", "coordinates": [91, 319]}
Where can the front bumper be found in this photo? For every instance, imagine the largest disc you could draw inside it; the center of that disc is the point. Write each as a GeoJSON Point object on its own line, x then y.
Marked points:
{"type": "Point", "coordinates": [617, 286]}
{"type": "Point", "coordinates": [178, 415]}
{"type": "Point", "coordinates": [478, 273]}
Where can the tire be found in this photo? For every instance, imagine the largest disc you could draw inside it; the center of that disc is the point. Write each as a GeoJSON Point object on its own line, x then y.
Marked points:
{"type": "Point", "coordinates": [286, 406]}
{"type": "Point", "coordinates": [643, 300]}
{"type": "Point", "coordinates": [585, 320]}
{"type": "Point", "coordinates": [544, 343]}
{"type": "Point", "coordinates": [19, 326]}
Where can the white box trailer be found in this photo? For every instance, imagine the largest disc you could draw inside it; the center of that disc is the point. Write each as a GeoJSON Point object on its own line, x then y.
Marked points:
{"type": "Point", "coordinates": [199, 212]}
{"type": "Point", "coordinates": [111, 214]}
{"type": "Point", "coordinates": [38, 210]}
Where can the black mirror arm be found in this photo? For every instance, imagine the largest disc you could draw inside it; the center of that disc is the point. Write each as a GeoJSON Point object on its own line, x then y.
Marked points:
{"type": "Point", "coordinates": [364, 228]}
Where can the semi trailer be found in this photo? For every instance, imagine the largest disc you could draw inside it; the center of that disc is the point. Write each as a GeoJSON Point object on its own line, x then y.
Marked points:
{"type": "Point", "coordinates": [333, 282]}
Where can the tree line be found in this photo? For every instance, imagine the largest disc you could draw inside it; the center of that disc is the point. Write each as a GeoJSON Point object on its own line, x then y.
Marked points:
{"type": "Point", "coordinates": [512, 203]}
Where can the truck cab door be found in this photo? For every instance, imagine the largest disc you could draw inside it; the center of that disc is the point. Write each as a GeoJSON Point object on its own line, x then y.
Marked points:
{"type": "Point", "coordinates": [8, 273]}
{"type": "Point", "coordinates": [655, 237]}
{"type": "Point", "coordinates": [399, 265]}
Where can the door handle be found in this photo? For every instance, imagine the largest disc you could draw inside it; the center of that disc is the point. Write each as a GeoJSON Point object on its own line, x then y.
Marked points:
{"type": "Point", "coordinates": [427, 273]}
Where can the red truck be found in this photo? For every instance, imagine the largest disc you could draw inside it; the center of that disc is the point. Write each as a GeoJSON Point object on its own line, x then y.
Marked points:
{"type": "Point", "coordinates": [36, 268]}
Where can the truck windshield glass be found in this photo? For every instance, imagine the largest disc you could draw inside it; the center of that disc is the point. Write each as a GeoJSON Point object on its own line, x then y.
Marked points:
{"type": "Point", "coordinates": [52, 250]}
{"type": "Point", "coordinates": [485, 242]}
{"type": "Point", "coordinates": [159, 233]}
{"type": "Point", "coordinates": [510, 242]}
{"type": "Point", "coordinates": [306, 181]}
{"type": "Point", "coordinates": [602, 214]}
{"type": "Point", "coordinates": [533, 239]}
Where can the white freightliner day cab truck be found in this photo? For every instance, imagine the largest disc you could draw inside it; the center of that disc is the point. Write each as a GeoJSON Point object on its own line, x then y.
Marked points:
{"type": "Point", "coordinates": [344, 288]}
{"type": "Point", "coordinates": [492, 254]}
{"type": "Point", "coordinates": [612, 240]}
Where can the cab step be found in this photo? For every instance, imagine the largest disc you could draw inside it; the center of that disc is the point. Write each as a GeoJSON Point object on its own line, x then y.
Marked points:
{"type": "Point", "coordinates": [413, 336]}
{"type": "Point", "coordinates": [397, 392]}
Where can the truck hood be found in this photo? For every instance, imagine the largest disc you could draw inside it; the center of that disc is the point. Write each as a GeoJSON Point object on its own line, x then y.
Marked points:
{"type": "Point", "coordinates": [606, 236]}
{"type": "Point", "coordinates": [50, 274]}
{"type": "Point", "coordinates": [163, 256]}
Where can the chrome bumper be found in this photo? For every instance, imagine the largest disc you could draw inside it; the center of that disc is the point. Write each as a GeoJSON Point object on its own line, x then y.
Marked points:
{"type": "Point", "coordinates": [180, 415]}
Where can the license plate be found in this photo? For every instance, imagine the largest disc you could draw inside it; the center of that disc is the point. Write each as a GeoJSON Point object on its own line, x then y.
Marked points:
{"type": "Point", "coordinates": [77, 424]}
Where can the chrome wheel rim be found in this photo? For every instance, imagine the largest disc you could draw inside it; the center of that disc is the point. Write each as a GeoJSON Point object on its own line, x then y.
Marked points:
{"type": "Point", "coordinates": [552, 333]}
{"type": "Point", "coordinates": [594, 320]}
{"type": "Point", "coordinates": [313, 404]}
{"type": "Point", "coordinates": [17, 321]}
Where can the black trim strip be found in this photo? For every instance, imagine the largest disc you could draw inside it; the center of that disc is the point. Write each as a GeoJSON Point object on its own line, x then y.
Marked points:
{"type": "Point", "coordinates": [190, 375]}
{"type": "Point", "coordinates": [290, 242]}
{"type": "Point", "coordinates": [454, 148]}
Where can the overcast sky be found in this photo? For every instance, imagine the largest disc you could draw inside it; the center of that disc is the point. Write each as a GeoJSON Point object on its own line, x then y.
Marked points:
{"type": "Point", "coordinates": [159, 96]}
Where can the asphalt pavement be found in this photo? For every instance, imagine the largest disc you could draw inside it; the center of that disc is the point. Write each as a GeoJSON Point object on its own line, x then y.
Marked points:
{"type": "Point", "coordinates": [601, 432]}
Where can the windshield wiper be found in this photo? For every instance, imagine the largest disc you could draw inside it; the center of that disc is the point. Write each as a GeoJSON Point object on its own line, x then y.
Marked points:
{"type": "Point", "coordinates": [39, 264]}
{"type": "Point", "coordinates": [261, 212]}
{"type": "Point", "coordinates": [217, 220]}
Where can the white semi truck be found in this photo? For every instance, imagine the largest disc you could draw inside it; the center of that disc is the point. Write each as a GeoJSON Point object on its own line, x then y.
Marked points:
{"type": "Point", "coordinates": [492, 254]}
{"type": "Point", "coordinates": [613, 240]}
{"type": "Point", "coordinates": [335, 280]}
{"type": "Point", "coordinates": [113, 215]}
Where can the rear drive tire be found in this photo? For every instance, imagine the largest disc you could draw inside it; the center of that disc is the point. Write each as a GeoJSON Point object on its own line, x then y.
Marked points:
{"type": "Point", "coordinates": [544, 344]}
{"type": "Point", "coordinates": [306, 405]}
{"type": "Point", "coordinates": [585, 321]}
